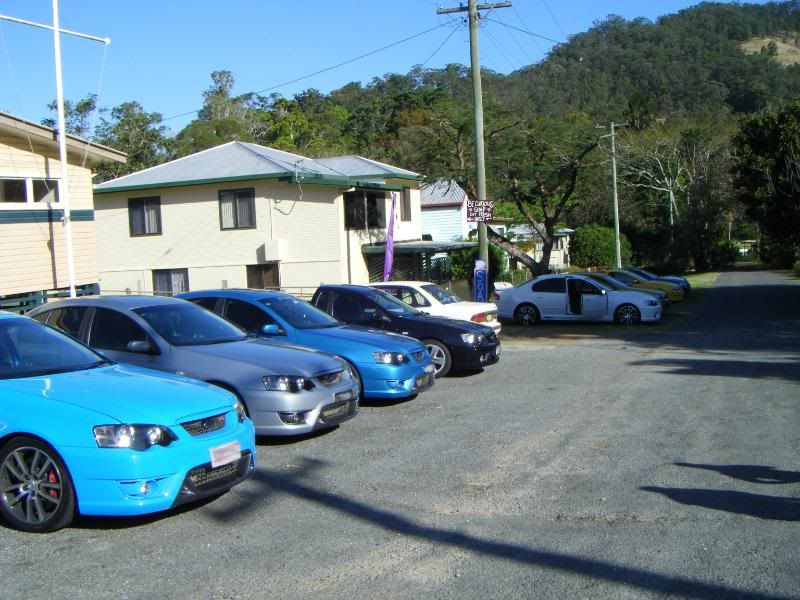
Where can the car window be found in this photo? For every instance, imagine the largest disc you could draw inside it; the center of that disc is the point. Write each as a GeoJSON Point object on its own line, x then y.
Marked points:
{"type": "Point", "coordinates": [68, 319]}
{"type": "Point", "coordinates": [555, 285]}
{"type": "Point", "coordinates": [389, 303]}
{"type": "Point", "coordinates": [583, 286]}
{"type": "Point", "coordinates": [207, 303]}
{"type": "Point", "coordinates": [323, 300]}
{"type": "Point", "coordinates": [299, 313]}
{"type": "Point", "coordinates": [184, 324]}
{"type": "Point", "coordinates": [623, 277]}
{"type": "Point", "coordinates": [112, 330]}
{"type": "Point", "coordinates": [29, 349]}
{"type": "Point", "coordinates": [352, 309]}
{"type": "Point", "coordinates": [441, 295]}
{"type": "Point", "coordinates": [248, 317]}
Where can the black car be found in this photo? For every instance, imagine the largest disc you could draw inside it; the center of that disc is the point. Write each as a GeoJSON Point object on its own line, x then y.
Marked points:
{"type": "Point", "coordinates": [452, 344]}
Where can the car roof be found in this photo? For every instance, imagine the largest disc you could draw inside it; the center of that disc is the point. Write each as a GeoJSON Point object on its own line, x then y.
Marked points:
{"type": "Point", "coordinates": [241, 293]}
{"type": "Point", "coordinates": [4, 314]}
{"type": "Point", "coordinates": [126, 302]}
{"type": "Point", "coordinates": [412, 283]}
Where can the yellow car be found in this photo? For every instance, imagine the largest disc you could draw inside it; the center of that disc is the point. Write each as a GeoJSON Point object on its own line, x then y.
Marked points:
{"type": "Point", "coordinates": [673, 290]}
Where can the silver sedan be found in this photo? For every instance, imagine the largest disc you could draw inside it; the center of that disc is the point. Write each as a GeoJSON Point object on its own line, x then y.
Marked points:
{"type": "Point", "coordinates": [286, 390]}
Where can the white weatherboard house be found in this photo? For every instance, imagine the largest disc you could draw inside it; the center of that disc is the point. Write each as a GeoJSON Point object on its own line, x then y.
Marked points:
{"type": "Point", "coordinates": [33, 255]}
{"type": "Point", "coordinates": [243, 215]}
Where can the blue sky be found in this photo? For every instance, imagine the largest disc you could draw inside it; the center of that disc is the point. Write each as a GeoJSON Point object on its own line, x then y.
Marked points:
{"type": "Point", "coordinates": [162, 52]}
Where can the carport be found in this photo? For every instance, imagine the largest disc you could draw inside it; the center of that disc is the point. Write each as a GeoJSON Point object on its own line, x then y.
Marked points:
{"type": "Point", "coordinates": [413, 260]}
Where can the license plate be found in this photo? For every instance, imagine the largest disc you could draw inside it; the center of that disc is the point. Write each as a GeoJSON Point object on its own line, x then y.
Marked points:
{"type": "Point", "coordinates": [430, 368]}
{"type": "Point", "coordinates": [422, 381]}
{"type": "Point", "coordinates": [343, 396]}
{"type": "Point", "coordinates": [225, 454]}
{"type": "Point", "coordinates": [335, 411]}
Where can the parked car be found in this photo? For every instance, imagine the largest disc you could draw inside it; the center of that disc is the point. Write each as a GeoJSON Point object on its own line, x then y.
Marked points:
{"type": "Point", "coordinates": [285, 390]}
{"type": "Point", "coordinates": [612, 283]}
{"type": "Point", "coordinates": [387, 366]}
{"type": "Point", "coordinates": [681, 281]}
{"type": "Point", "coordinates": [451, 344]}
{"type": "Point", "coordinates": [82, 434]}
{"type": "Point", "coordinates": [432, 299]}
{"type": "Point", "coordinates": [574, 298]}
{"type": "Point", "coordinates": [626, 278]}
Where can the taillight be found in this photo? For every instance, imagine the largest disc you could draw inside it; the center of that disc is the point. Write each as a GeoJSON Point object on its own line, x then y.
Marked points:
{"type": "Point", "coordinates": [479, 318]}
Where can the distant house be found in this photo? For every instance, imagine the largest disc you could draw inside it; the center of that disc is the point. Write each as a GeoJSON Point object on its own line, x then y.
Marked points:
{"type": "Point", "coordinates": [444, 212]}
{"type": "Point", "coordinates": [244, 215]}
{"type": "Point", "coordinates": [33, 256]}
{"type": "Point", "coordinates": [527, 239]}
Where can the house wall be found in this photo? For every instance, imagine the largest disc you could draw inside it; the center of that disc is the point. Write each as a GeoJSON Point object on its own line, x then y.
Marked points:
{"type": "Point", "coordinates": [294, 227]}
{"type": "Point", "coordinates": [32, 241]}
{"type": "Point", "coordinates": [445, 224]}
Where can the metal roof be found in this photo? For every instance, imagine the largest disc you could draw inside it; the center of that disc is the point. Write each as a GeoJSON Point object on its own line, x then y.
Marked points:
{"type": "Point", "coordinates": [231, 161]}
{"type": "Point", "coordinates": [441, 192]}
{"type": "Point", "coordinates": [417, 247]}
{"type": "Point", "coordinates": [358, 166]}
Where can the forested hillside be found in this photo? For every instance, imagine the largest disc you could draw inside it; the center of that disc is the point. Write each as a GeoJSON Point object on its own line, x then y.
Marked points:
{"type": "Point", "coordinates": [681, 84]}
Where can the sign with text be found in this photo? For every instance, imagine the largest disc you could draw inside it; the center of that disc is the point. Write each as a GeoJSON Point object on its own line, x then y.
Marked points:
{"type": "Point", "coordinates": [481, 284]}
{"type": "Point", "coordinates": [479, 210]}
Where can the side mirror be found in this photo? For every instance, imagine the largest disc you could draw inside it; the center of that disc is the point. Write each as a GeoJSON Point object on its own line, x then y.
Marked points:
{"type": "Point", "coordinates": [603, 292]}
{"type": "Point", "coordinates": [140, 347]}
{"type": "Point", "coordinates": [272, 329]}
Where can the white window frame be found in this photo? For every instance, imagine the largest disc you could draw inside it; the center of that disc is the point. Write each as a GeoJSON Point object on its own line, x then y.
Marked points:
{"type": "Point", "coordinates": [30, 203]}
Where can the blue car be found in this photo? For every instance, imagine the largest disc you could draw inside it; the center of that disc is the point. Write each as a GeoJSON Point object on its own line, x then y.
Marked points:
{"type": "Point", "coordinates": [388, 365]}
{"type": "Point", "coordinates": [82, 434]}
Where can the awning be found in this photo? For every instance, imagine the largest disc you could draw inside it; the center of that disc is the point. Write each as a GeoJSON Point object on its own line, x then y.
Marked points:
{"type": "Point", "coordinates": [417, 247]}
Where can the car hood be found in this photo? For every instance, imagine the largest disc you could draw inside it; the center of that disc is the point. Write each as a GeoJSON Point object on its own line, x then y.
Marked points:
{"type": "Point", "coordinates": [461, 326]}
{"type": "Point", "coordinates": [284, 358]}
{"type": "Point", "coordinates": [373, 339]}
{"type": "Point", "coordinates": [127, 394]}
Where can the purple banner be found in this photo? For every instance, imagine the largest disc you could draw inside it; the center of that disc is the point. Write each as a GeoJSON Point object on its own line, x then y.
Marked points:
{"type": "Point", "coordinates": [388, 258]}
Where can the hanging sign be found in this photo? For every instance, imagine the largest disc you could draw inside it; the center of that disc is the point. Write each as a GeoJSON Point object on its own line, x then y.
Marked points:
{"type": "Point", "coordinates": [479, 210]}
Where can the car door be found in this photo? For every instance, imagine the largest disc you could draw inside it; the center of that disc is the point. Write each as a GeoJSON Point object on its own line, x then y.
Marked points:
{"type": "Point", "coordinates": [353, 309]}
{"type": "Point", "coordinates": [594, 300]}
{"type": "Point", "coordinates": [112, 332]}
{"type": "Point", "coordinates": [550, 296]}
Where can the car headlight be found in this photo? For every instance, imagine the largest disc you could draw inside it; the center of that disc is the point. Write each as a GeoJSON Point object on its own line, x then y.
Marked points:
{"type": "Point", "coordinates": [134, 437]}
{"type": "Point", "coordinates": [241, 412]}
{"type": "Point", "coordinates": [472, 339]}
{"type": "Point", "coordinates": [651, 302]}
{"type": "Point", "coordinates": [287, 383]}
{"type": "Point", "coordinates": [390, 358]}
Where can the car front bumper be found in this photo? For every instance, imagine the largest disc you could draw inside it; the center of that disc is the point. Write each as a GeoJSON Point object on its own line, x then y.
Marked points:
{"type": "Point", "coordinates": [474, 358]}
{"type": "Point", "coordinates": [396, 381]}
{"type": "Point", "coordinates": [651, 313]}
{"type": "Point", "coordinates": [123, 482]}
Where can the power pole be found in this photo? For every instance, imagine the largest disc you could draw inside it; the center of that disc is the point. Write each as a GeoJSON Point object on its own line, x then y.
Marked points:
{"type": "Point", "coordinates": [614, 185]}
{"type": "Point", "coordinates": [63, 184]}
{"type": "Point", "coordinates": [477, 98]}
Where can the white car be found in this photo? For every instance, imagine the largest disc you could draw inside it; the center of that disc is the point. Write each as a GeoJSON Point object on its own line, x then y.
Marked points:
{"type": "Point", "coordinates": [430, 298]}
{"type": "Point", "coordinates": [574, 298]}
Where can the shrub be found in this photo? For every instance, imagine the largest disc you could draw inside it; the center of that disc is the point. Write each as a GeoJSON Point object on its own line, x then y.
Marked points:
{"type": "Point", "coordinates": [593, 246]}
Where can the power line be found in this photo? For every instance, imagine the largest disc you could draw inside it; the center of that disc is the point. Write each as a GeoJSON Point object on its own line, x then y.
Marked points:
{"type": "Point", "coordinates": [331, 68]}
{"type": "Point", "coordinates": [525, 31]}
{"type": "Point", "coordinates": [547, 6]}
{"type": "Point", "coordinates": [447, 39]}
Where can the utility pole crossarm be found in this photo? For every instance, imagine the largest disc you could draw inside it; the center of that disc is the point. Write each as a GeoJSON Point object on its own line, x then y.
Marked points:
{"type": "Point", "coordinates": [464, 8]}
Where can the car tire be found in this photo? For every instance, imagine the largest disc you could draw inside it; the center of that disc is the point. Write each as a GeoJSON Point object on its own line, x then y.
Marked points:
{"type": "Point", "coordinates": [36, 491]}
{"type": "Point", "coordinates": [442, 361]}
{"type": "Point", "coordinates": [527, 314]}
{"type": "Point", "coordinates": [627, 314]}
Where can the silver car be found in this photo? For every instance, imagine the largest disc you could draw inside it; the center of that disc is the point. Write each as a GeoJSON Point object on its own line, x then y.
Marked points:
{"type": "Point", "coordinates": [286, 390]}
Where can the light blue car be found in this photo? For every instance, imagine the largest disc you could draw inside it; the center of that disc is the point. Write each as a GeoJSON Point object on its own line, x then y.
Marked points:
{"type": "Point", "coordinates": [82, 434]}
{"type": "Point", "coordinates": [388, 365]}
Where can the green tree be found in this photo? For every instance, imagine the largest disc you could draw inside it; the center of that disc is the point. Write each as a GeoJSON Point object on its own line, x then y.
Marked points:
{"type": "Point", "coordinates": [767, 175]}
{"type": "Point", "coordinates": [136, 132]}
{"type": "Point", "coordinates": [77, 116]}
{"type": "Point", "coordinates": [593, 246]}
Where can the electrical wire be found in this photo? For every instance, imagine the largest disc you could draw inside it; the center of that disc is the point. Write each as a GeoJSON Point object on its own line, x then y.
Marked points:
{"type": "Point", "coordinates": [447, 39]}
{"type": "Point", "coordinates": [525, 31]}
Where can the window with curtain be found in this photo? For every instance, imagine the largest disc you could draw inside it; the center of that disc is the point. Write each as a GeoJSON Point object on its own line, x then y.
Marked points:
{"type": "Point", "coordinates": [168, 282]}
{"type": "Point", "coordinates": [144, 216]}
{"type": "Point", "coordinates": [405, 205]}
{"type": "Point", "coordinates": [237, 209]}
{"type": "Point", "coordinates": [364, 209]}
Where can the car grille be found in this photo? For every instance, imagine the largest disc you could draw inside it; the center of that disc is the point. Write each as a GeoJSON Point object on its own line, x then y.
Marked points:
{"type": "Point", "coordinates": [202, 426]}
{"type": "Point", "coordinates": [418, 356]}
{"type": "Point", "coordinates": [206, 477]}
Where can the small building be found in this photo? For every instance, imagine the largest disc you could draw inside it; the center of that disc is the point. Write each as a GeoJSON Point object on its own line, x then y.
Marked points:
{"type": "Point", "coordinates": [444, 213]}
{"type": "Point", "coordinates": [33, 255]}
{"type": "Point", "coordinates": [244, 215]}
{"type": "Point", "coordinates": [530, 241]}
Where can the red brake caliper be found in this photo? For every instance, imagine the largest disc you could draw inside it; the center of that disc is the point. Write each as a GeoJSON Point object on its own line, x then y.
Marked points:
{"type": "Point", "coordinates": [51, 477]}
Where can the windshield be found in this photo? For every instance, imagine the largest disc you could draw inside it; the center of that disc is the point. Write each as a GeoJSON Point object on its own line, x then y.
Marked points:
{"type": "Point", "coordinates": [607, 281]}
{"type": "Point", "coordinates": [389, 303]}
{"type": "Point", "coordinates": [185, 324]}
{"type": "Point", "coordinates": [643, 273]}
{"type": "Point", "coordinates": [30, 349]}
{"type": "Point", "coordinates": [299, 313]}
{"type": "Point", "coordinates": [440, 294]}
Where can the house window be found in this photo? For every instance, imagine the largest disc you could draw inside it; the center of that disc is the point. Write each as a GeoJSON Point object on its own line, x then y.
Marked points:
{"type": "Point", "coordinates": [27, 190]}
{"type": "Point", "coordinates": [168, 282]}
{"type": "Point", "coordinates": [364, 210]}
{"type": "Point", "coordinates": [144, 216]}
{"type": "Point", "coordinates": [237, 209]}
{"type": "Point", "coordinates": [405, 206]}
